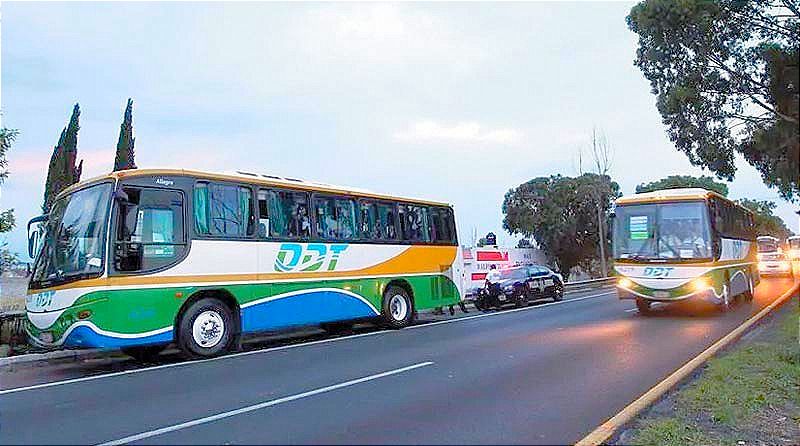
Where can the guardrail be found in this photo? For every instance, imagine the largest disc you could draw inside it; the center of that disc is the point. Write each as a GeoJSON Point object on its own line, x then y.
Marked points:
{"type": "Point", "coordinates": [12, 329]}
{"type": "Point", "coordinates": [590, 282]}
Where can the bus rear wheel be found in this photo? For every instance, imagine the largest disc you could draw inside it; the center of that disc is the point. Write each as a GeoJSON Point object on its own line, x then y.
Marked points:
{"type": "Point", "coordinates": [398, 309]}
{"type": "Point", "coordinates": [206, 329]}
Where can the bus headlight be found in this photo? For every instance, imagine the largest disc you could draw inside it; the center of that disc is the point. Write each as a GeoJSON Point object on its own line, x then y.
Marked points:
{"type": "Point", "coordinates": [625, 282]}
{"type": "Point", "coordinates": [701, 284]}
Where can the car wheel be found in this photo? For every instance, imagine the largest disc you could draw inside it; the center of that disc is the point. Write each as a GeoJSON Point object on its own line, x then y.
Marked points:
{"type": "Point", "coordinates": [398, 310]}
{"type": "Point", "coordinates": [144, 353]}
{"type": "Point", "coordinates": [206, 329]}
{"type": "Point", "coordinates": [521, 300]}
{"type": "Point", "coordinates": [644, 307]}
{"type": "Point", "coordinates": [558, 293]}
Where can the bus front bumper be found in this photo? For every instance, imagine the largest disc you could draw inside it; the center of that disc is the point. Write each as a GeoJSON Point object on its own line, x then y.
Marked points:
{"type": "Point", "coordinates": [85, 334]}
{"type": "Point", "coordinates": [708, 295]}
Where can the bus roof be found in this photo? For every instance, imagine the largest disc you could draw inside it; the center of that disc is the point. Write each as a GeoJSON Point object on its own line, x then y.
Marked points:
{"type": "Point", "coordinates": [683, 194]}
{"type": "Point", "coordinates": [253, 178]}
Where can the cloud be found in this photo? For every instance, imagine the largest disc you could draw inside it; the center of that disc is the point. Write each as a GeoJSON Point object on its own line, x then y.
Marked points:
{"type": "Point", "coordinates": [463, 132]}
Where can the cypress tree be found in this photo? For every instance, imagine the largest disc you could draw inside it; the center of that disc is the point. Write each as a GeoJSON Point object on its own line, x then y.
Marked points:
{"type": "Point", "coordinates": [124, 159]}
{"type": "Point", "coordinates": [62, 171]}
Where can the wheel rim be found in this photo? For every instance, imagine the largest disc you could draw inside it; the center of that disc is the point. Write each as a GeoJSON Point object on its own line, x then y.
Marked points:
{"type": "Point", "coordinates": [398, 307]}
{"type": "Point", "coordinates": [208, 329]}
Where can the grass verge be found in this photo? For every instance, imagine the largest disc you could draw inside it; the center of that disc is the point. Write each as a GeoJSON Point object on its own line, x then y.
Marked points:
{"type": "Point", "coordinates": [748, 396]}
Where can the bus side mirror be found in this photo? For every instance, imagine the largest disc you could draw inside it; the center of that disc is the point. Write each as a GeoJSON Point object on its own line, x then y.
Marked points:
{"type": "Point", "coordinates": [35, 235]}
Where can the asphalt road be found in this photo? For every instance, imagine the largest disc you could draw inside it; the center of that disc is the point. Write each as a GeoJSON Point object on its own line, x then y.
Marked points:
{"type": "Point", "coordinates": [544, 374]}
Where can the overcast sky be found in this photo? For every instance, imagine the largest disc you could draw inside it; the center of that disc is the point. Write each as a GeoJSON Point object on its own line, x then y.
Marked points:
{"type": "Point", "coordinates": [457, 102]}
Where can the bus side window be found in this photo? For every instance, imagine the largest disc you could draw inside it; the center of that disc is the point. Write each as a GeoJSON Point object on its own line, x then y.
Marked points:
{"type": "Point", "coordinates": [387, 222]}
{"type": "Point", "coordinates": [289, 215]}
{"type": "Point", "coordinates": [335, 217]}
{"type": "Point", "coordinates": [263, 214]}
{"type": "Point", "coordinates": [414, 223]}
{"type": "Point", "coordinates": [150, 231]}
{"type": "Point", "coordinates": [223, 210]}
{"type": "Point", "coordinates": [370, 228]}
{"type": "Point", "coordinates": [442, 227]}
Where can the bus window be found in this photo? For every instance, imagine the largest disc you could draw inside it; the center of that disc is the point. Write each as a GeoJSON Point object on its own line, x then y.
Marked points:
{"type": "Point", "coordinates": [387, 222]}
{"type": "Point", "coordinates": [223, 210]}
{"type": "Point", "coordinates": [263, 214]}
{"type": "Point", "coordinates": [370, 229]}
{"type": "Point", "coordinates": [149, 230]}
{"type": "Point", "coordinates": [335, 217]}
{"type": "Point", "coordinates": [414, 222]}
{"type": "Point", "coordinates": [289, 216]}
{"type": "Point", "coordinates": [442, 229]}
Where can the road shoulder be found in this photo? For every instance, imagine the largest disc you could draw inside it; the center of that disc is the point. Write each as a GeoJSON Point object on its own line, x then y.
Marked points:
{"type": "Point", "coordinates": [748, 395]}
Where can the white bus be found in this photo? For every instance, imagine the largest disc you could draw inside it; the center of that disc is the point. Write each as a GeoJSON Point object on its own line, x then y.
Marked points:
{"type": "Point", "coordinates": [138, 259]}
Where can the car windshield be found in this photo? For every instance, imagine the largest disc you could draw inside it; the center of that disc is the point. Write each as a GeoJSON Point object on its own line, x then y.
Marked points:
{"type": "Point", "coordinates": [668, 231]}
{"type": "Point", "coordinates": [515, 273]}
{"type": "Point", "coordinates": [74, 241]}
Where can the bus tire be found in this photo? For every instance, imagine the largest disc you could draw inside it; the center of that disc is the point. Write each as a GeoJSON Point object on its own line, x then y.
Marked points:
{"type": "Point", "coordinates": [644, 307]}
{"type": "Point", "coordinates": [206, 329]}
{"type": "Point", "coordinates": [398, 309]}
{"type": "Point", "coordinates": [144, 353]}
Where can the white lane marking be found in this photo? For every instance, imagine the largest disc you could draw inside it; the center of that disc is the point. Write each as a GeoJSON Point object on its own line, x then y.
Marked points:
{"type": "Point", "coordinates": [284, 347]}
{"type": "Point", "coordinates": [630, 310]}
{"type": "Point", "coordinates": [263, 405]}
{"type": "Point", "coordinates": [499, 313]}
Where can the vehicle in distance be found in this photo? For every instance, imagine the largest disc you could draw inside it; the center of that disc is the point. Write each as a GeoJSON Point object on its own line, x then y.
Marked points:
{"type": "Point", "coordinates": [774, 263]}
{"type": "Point", "coordinates": [676, 244]}
{"type": "Point", "coordinates": [139, 259]}
{"type": "Point", "coordinates": [519, 285]}
{"type": "Point", "coordinates": [793, 245]}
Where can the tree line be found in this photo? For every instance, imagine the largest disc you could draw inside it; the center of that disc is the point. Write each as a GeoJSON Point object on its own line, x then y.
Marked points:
{"type": "Point", "coordinates": [64, 169]}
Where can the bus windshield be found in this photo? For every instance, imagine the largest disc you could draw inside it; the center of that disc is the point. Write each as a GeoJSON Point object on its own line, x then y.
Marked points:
{"type": "Point", "coordinates": [665, 231]}
{"type": "Point", "coordinates": [75, 237]}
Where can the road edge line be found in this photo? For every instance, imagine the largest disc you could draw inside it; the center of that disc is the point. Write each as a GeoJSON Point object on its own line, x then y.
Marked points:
{"type": "Point", "coordinates": [603, 432]}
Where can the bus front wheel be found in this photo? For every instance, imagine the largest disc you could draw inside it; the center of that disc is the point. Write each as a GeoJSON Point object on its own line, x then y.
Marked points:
{"type": "Point", "coordinates": [206, 329]}
{"type": "Point", "coordinates": [398, 309]}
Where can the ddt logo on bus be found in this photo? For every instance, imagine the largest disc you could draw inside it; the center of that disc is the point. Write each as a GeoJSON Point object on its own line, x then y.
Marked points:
{"type": "Point", "coordinates": [658, 271]}
{"type": "Point", "coordinates": [39, 301]}
{"type": "Point", "coordinates": [312, 257]}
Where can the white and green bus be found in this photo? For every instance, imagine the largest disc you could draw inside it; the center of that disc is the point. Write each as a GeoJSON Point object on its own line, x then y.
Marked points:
{"type": "Point", "coordinates": [140, 259]}
{"type": "Point", "coordinates": [676, 244]}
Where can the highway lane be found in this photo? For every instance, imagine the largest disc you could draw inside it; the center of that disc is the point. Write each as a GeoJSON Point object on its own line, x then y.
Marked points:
{"type": "Point", "coordinates": [116, 362]}
{"type": "Point", "coordinates": [547, 375]}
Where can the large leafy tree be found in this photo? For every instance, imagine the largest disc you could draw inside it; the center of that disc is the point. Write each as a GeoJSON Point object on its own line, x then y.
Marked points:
{"type": "Point", "coordinates": [124, 158]}
{"type": "Point", "coordinates": [62, 171]}
{"type": "Point", "coordinates": [679, 181]}
{"type": "Point", "coordinates": [725, 74]}
{"type": "Point", "coordinates": [7, 222]}
{"type": "Point", "coordinates": [560, 213]}
{"type": "Point", "coordinates": [767, 223]}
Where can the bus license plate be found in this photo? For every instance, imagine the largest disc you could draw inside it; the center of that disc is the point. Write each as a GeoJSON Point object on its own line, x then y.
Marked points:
{"type": "Point", "coordinates": [661, 294]}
